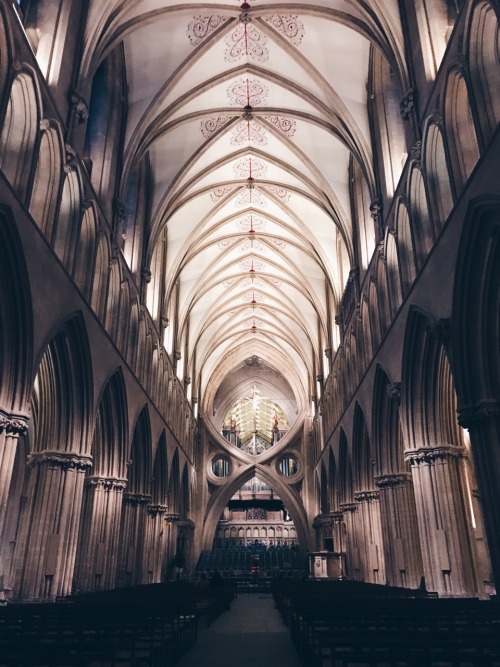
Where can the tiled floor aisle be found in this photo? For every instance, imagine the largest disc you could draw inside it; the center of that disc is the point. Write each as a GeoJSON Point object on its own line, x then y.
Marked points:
{"type": "Point", "coordinates": [251, 634]}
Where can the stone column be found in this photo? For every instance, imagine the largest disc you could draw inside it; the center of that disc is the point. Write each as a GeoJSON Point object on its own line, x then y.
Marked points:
{"type": "Point", "coordinates": [371, 527]}
{"type": "Point", "coordinates": [339, 535]}
{"type": "Point", "coordinates": [46, 551]}
{"type": "Point", "coordinates": [353, 566]}
{"type": "Point", "coordinates": [130, 570]}
{"type": "Point", "coordinates": [156, 540]}
{"type": "Point", "coordinates": [443, 517]}
{"type": "Point", "coordinates": [171, 519]}
{"type": "Point", "coordinates": [483, 423]}
{"type": "Point", "coordinates": [11, 427]}
{"type": "Point", "coordinates": [403, 558]}
{"type": "Point", "coordinates": [98, 546]}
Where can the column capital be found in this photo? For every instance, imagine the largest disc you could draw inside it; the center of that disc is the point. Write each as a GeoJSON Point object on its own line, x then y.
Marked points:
{"type": "Point", "coordinates": [155, 510]}
{"type": "Point", "coordinates": [336, 516]}
{"type": "Point", "coordinates": [321, 520]}
{"type": "Point", "coordinates": [106, 483]}
{"type": "Point", "coordinates": [429, 455]}
{"type": "Point", "coordinates": [366, 496]}
{"type": "Point", "coordinates": [393, 479]}
{"type": "Point", "coordinates": [63, 460]}
{"type": "Point", "coordinates": [13, 423]}
{"type": "Point", "coordinates": [469, 414]}
{"type": "Point", "coordinates": [348, 507]}
{"type": "Point", "coordinates": [170, 517]}
{"type": "Point", "coordinates": [137, 499]}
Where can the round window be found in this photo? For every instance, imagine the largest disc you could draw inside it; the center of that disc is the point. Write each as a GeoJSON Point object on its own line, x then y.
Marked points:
{"type": "Point", "coordinates": [220, 467]}
{"type": "Point", "coordinates": [288, 466]}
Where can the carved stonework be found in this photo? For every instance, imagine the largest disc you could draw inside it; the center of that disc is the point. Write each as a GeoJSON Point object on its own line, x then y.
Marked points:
{"type": "Point", "coordinates": [80, 108]}
{"type": "Point", "coordinates": [348, 507]}
{"type": "Point", "coordinates": [429, 455]}
{"type": "Point", "coordinates": [407, 104]}
{"type": "Point", "coordinates": [337, 516]}
{"type": "Point", "coordinates": [486, 409]}
{"type": "Point", "coordinates": [106, 483]}
{"type": "Point", "coordinates": [146, 275]}
{"type": "Point", "coordinates": [366, 496]}
{"type": "Point", "coordinates": [163, 322]}
{"type": "Point", "coordinates": [136, 499]}
{"type": "Point", "coordinates": [171, 517]}
{"type": "Point", "coordinates": [63, 460]}
{"type": "Point", "coordinates": [416, 151]}
{"type": "Point", "coordinates": [329, 354]}
{"type": "Point", "coordinates": [177, 355]}
{"type": "Point", "coordinates": [394, 391]}
{"type": "Point", "coordinates": [155, 510]}
{"type": "Point", "coordinates": [392, 480]}
{"type": "Point", "coordinates": [13, 424]}
{"type": "Point", "coordinates": [376, 210]}
{"type": "Point", "coordinates": [119, 209]}
{"type": "Point", "coordinates": [115, 254]}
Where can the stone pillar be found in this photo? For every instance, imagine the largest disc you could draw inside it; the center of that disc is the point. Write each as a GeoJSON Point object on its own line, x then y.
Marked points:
{"type": "Point", "coordinates": [339, 535]}
{"type": "Point", "coordinates": [11, 427]}
{"type": "Point", "coordinates": [483, 423]}
{"type": "Point", "coordinates": [131, 557]}
{"type": "Point", "coordinates": [443, 517]}
{"type": "Point", "coordinates": [156, 541]}
{"type": "Point", "coordinates": [353, 566]}
{"type": "Point", "coordinates": [46, 550]}
{"type": "Point", "coordinates": [371, 527]}
{"type": "Point", "coordinates": [403, 557]}
{"type": "Point", "coordinates": [98, 547]}
{"type": "Point", "coordinates": [170, 519]}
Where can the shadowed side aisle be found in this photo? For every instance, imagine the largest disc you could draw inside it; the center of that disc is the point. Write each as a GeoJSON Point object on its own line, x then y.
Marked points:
{"type": "Point", "coordinates": [251, 633]}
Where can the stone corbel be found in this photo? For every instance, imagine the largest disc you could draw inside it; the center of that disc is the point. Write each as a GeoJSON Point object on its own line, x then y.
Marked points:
{"type": "Point", "coordinates": [392, 480]}
{"type": "Point", "coordinates": [13, 424]}
{"type": "Point", "coordinates": [484, 409]}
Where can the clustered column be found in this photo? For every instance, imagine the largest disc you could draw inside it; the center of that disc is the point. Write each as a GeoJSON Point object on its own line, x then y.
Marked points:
{"type": "Point", "coordinates": [50, 524]}
{"type": "Point", "coordinates": [11, 427]}
{"type": "Point", "coordinates": [96, 569]}
{"type": "Point", "coordinates": [371, 531]}
{"type": "Point", "coordinates": [132, 539]}
{"type": "Point", "coordinates": [156, 541]}
{"type": "Point", "coordinates": [353, 541]}
{"type": "Point", "coordinates": [403, 558]}
{"type": "Point", "coordinates": [443, 519]}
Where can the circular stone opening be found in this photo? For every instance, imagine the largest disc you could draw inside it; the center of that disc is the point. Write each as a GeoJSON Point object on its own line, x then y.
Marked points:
{"type": "Point", "coordinates": [221, 467]}
{"type": "Point", "coordinates": [288, 466]}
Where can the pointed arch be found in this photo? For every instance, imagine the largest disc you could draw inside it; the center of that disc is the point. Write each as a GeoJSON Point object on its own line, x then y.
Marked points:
{"type": "Point", "coordinates": [437, 176]}
{"type": "Point", "coordinates": [484, 58]}
{"type": "Point", "coordinates": [112, 318]}
{"type": "Point", "coordinates": [406, 254]}
{"type": "Point", "coordinates": [460, 129]}
{"type": "Point", "coordinates": [86, 251]}
{"type": "Point", "coordinates": [361, 453]}
{"type": "Point", "coordinates": [423, 233]}
{"type": "Point", "coordinates": [345, 479]}
{"type": "Point", "coordinates": [394, 295]}
{"type": "Point", "coordinates": [47, 183]}
{"type": "Point", "coordinates": [16, 319]}
{"type": "Point", "coordinates": [19, 131]}
{"type": "Point", "coordinates": [68, 221]}
{"type": "Point", "coordinates": [159, 488]}
{"type": "Point", "coordinates": [388, 442]}
{"type": "Point", "coordinates": [174, 484]}
{"type": "Point", "coordinates": [101, 275]}
{"type": "Point", "coordinates": [140, 469]}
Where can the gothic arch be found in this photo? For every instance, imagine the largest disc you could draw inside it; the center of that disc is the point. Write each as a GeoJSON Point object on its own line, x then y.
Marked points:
{"type": "Point", "coordinates": [483, 59]}
{"type": "Point", "coordinates": [220, 498]}
{"type": "Point", "coordinates": [47, 182]}
{"type": "Point", "coordinates": [423, 233]}
{"type": "Point", "coordinates": [67, 229]}
{"type": "Point", "coordinates": [103, 490]}
{"type": "Point", "coordinates": [406, 253]}
{"type": "Point", "coordinates": [437, 175]}
{"type": "Point", "coordinates": [16, 323]}
{"type": "Point", "coordinates": [345, 479]}
{"type": "Point", "coordinates": [101, 277]}
{"type": "Point", "coordinates": [86, 251]}
{"type": "Point", "coordinates": [362, 456]}
{"type": "Point", "coordinates": [60, 455]}
{"type": "Point", "coordinates": [388, 442]}
{"type": "Point", "coordinates": [332, 480]}
{"type": "Point", "coordinates": [5, 49]}
{"type": "Point", "coordinates": [19, 131]}
{"type": "Point", "coordinates": [460, 129]}
{"type": "Point", "coordinates": [394, 296]}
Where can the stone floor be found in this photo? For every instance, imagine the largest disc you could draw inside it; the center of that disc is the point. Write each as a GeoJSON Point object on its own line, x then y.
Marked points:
{"type": "Point", "coordinates": [251, 634]}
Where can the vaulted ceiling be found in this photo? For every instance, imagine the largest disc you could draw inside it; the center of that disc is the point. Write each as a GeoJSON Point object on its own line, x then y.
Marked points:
{"type": "Point", "coordinates": [250, 115]}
